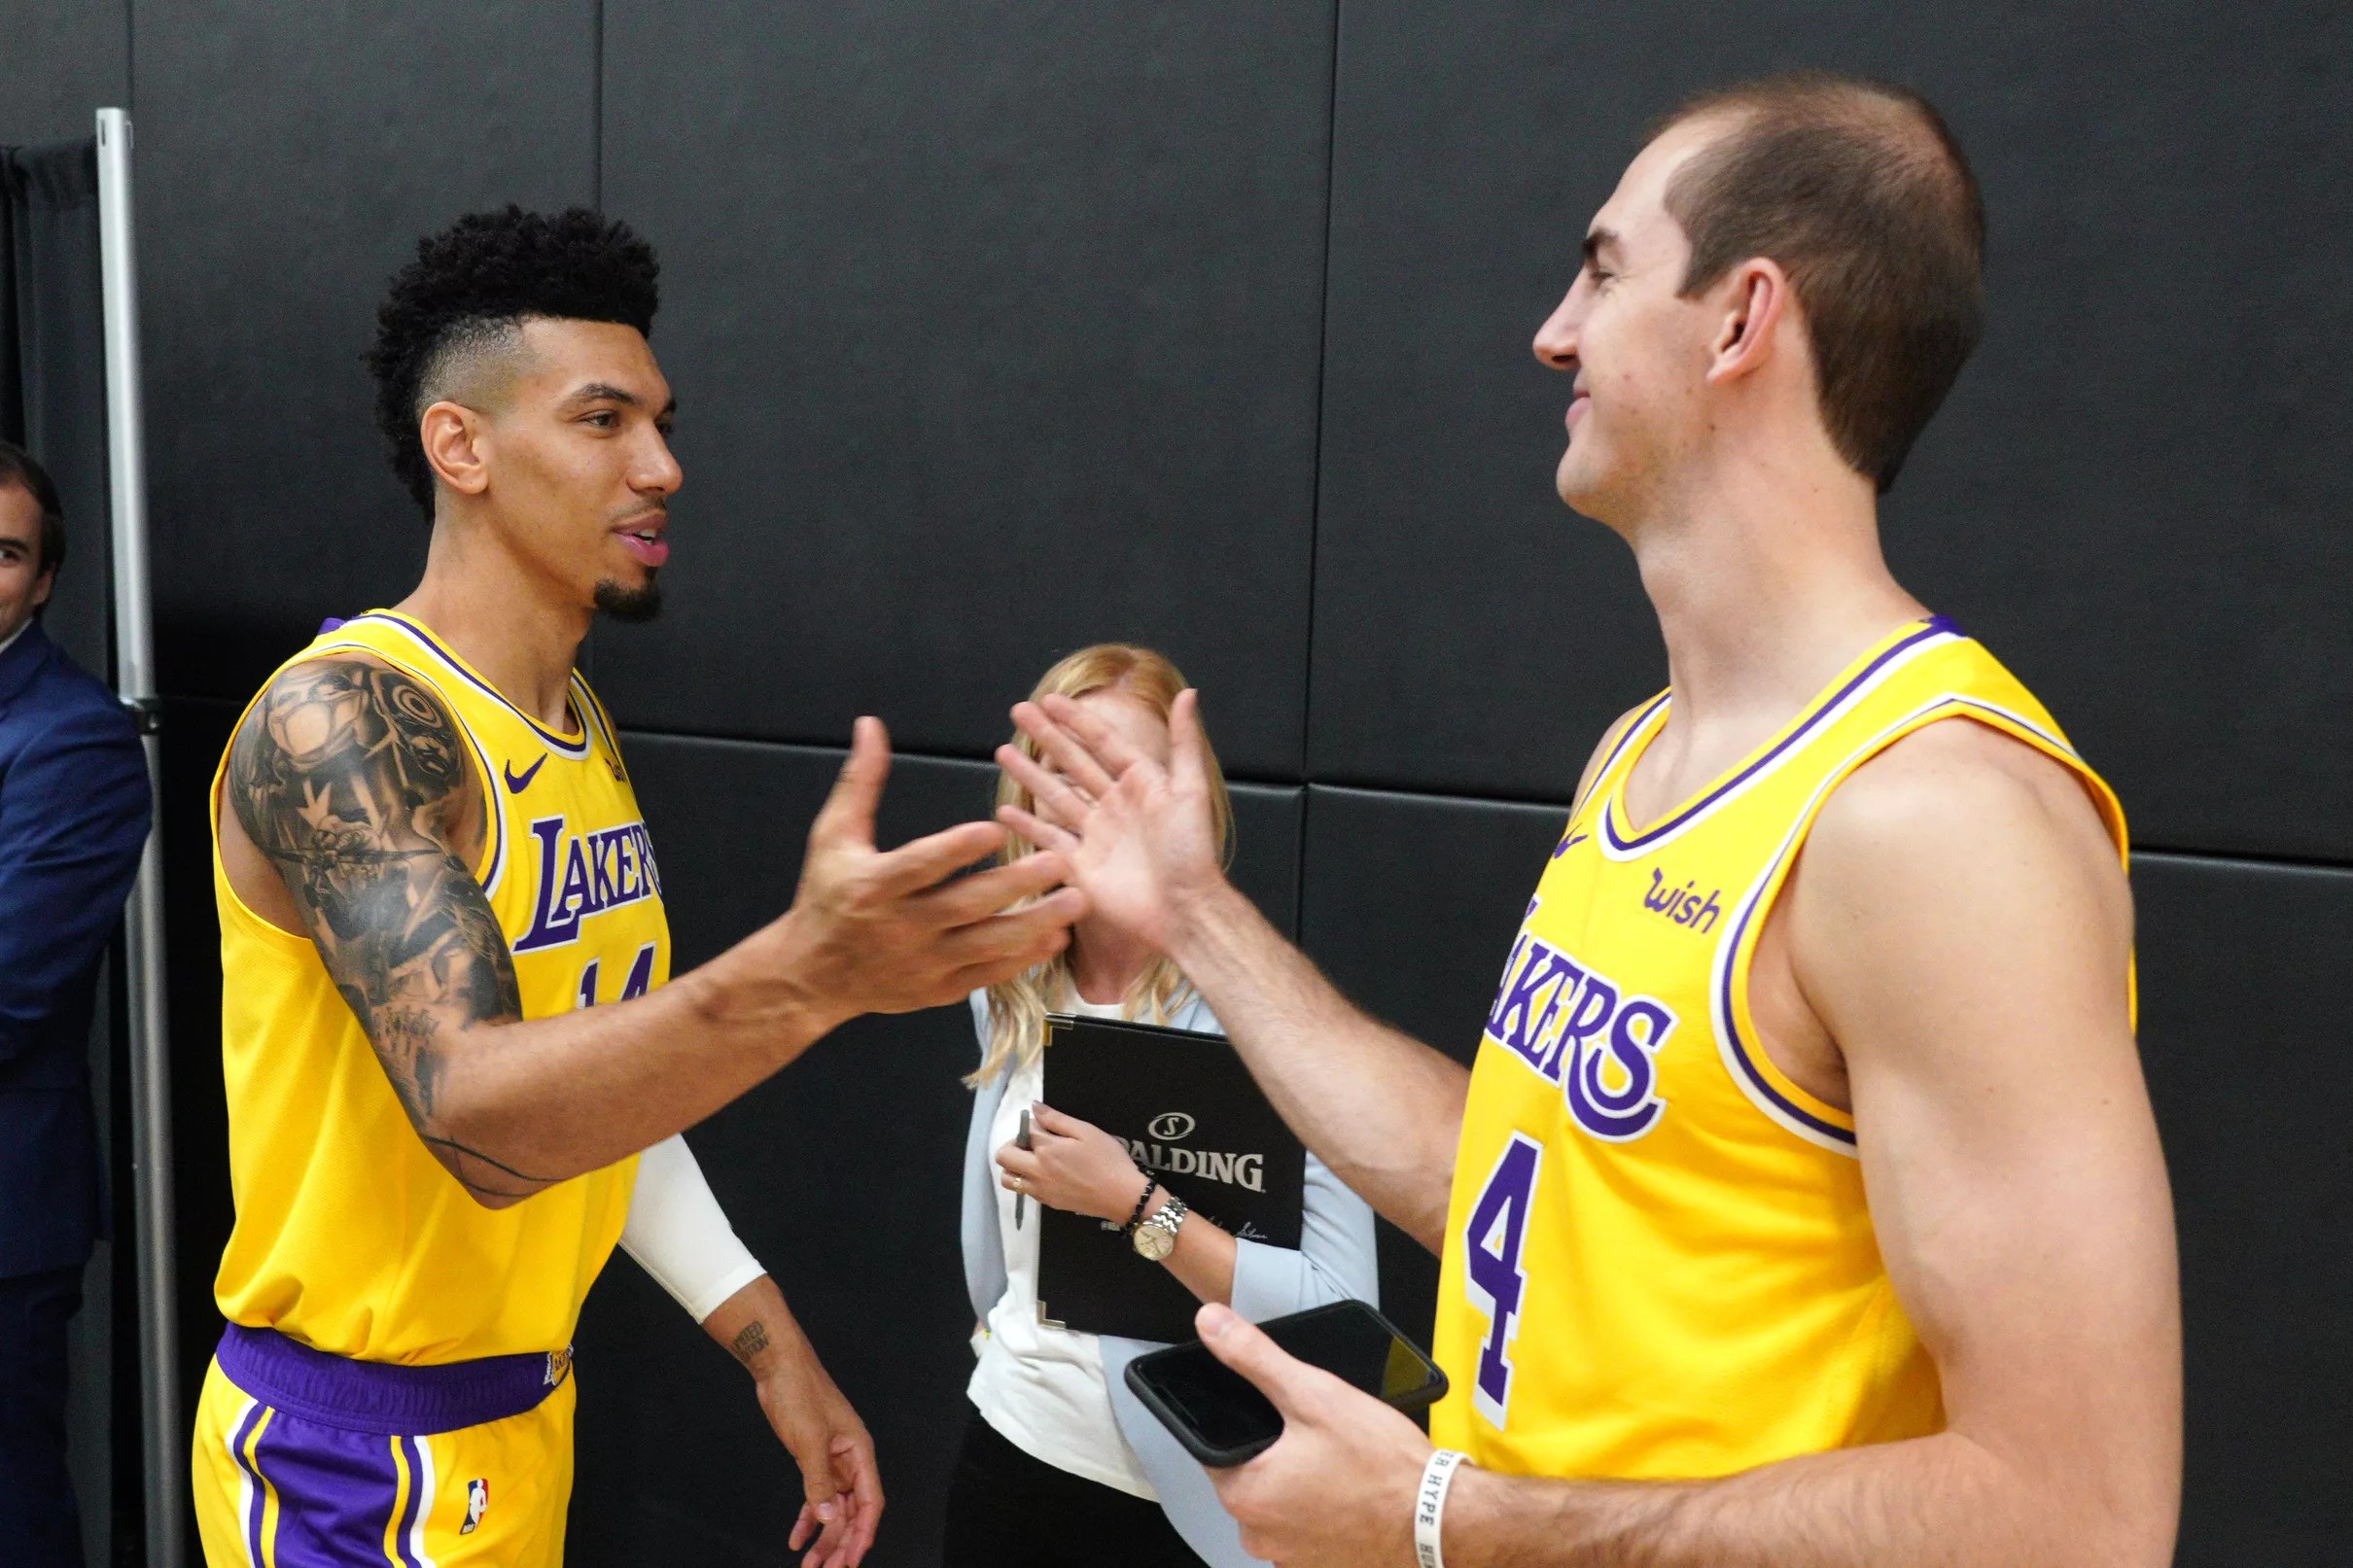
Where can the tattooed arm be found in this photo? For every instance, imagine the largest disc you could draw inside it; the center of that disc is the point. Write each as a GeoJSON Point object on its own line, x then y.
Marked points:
{"type": "Point", "coordinates": [350, 779]}
{"type": "Point", "coordinates": [349, 802]}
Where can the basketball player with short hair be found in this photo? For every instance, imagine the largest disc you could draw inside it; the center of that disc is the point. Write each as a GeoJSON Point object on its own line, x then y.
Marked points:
{"type": "Point", "coordinates": [446, 1031]}
{"type": "Point", "coordinates": [1804, 1207]}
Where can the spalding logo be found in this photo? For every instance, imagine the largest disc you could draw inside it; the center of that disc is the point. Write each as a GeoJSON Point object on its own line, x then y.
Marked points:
{"type": "Point", "coordinates": [1172, 1127]}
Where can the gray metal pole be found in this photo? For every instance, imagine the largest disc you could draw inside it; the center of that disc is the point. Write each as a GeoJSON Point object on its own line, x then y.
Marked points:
{"type": "Point", "coordinates": [161, 1432]}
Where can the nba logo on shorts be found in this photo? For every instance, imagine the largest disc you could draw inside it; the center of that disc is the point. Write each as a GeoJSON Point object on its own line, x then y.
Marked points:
{"type": "Point", "coordinates": [477, 1498]}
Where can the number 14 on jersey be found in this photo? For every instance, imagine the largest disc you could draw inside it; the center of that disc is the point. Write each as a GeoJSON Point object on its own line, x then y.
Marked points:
{"type": "Point", "coordinates": [639, 982]}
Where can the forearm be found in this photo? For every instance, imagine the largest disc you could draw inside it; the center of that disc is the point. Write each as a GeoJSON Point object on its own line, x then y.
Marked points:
{"type": "Point", "coordinates": [1937, 1502]}
{"type": "Point", "coordinates": [758, 1330]}
{"type": "Point", "coordinates": [1381, 1109]}
{"type": "Point", "coordinates": [1203, 1259]}
{"type": "Point", "coordinates": [549, 1099]}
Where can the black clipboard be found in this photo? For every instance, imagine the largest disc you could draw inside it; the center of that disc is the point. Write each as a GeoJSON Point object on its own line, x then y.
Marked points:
{"type": "Point", "coordinates": [1192, 1116]}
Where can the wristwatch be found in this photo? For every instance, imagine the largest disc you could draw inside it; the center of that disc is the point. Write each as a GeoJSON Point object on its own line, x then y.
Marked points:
{"type": "Point", "coordinates": [1156, 1238]}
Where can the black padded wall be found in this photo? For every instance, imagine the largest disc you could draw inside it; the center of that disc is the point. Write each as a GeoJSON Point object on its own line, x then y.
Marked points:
{"type": "Point", "coordinates": [1206, 326]}
{"type": "Point", "coordinates": [996, 329]}
{"type": "Point", "coordinates": [60, 62]}
{"type": "Point", "coordinates": [288, 159]}
{"type": "Point", "coordinates": [2131, 497]}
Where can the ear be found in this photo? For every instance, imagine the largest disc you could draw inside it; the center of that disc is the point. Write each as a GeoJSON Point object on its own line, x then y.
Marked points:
{"type": "Point", "coordinates": [42, 586]}
{"type": "Point", "coordinates": [1755, 295]}
{"type": "Point", "coordinates": [456, 440]}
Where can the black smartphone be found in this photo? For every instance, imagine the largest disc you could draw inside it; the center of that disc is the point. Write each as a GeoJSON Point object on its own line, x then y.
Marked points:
{"type": "Point", "coordinates": [1222, 1420]}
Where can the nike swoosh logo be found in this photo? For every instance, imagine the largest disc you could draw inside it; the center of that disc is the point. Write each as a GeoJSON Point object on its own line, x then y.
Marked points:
{"type": "Point", "coordinates": [1565, 843]}
{"type": "Point", "coordinates": [516, 786]}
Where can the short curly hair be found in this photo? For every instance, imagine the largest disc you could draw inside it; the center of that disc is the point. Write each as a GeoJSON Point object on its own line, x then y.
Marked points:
{"type": "Point", "coordinates": [482, 277]}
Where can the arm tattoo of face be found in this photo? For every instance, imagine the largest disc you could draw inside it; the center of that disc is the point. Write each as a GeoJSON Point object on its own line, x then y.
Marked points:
{"type": "Point", "coordinates": [348, 776]}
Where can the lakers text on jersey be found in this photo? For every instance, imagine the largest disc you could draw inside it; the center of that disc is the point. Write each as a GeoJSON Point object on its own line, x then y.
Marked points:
{"type": "Point", "coordinates": [352, 1244]}
{"type": "Point", "coordinates": [1659, 1261]}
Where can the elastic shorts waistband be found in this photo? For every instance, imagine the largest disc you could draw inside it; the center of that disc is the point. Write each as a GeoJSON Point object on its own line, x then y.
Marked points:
{"type": "Point", "coordinates": [375, 1396]}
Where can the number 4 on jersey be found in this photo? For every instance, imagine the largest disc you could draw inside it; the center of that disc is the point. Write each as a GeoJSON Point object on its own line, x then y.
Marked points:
{"type": "Point", "coordinates": [640, 981]}
{"type": "Point", "coordinates": [1492, 1276]}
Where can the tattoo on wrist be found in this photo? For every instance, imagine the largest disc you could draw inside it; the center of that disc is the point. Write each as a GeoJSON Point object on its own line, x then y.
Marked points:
{"type": "Point", "coordinates": [748, 1342]}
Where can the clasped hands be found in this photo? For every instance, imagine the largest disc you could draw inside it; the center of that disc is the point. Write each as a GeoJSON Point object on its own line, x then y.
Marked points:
{"type": "Point", "coordinates": [1072, 1166]}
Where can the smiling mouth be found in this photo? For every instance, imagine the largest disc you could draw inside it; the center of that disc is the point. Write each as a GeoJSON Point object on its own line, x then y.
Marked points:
{"type": "Point", "coordinates": [646, 543]}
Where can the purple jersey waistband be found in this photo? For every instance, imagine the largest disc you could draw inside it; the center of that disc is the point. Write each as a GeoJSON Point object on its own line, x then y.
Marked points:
{"type": "Point", "coordinates": [374, 1396]}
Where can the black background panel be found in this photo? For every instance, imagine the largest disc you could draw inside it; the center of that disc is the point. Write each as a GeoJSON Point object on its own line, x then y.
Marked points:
{"type": "Point", "coordinates": [841, 1173]}
{"type": "Point", "coordinates": [2244, 1024]}
{"type": "Point", "coordinates": [999, 331]}
{"type": "Point", "coordinates": [2132, 495]}
{"type": "Point", "coordinates": [1410, 903]}
{"type": "Point", "coordinates": [994, 331]}
{"type": "Point", "coordinates": [288, 158]}
{"type": "Point", "coordinates": [66, 59]}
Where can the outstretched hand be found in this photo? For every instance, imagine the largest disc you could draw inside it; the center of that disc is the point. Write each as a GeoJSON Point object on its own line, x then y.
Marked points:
{"type": "Point", "coordinates": [1337, 1488]}
{"type": "Point", "coordinates": [1137, 838]}
{"type": "Point", "coordinates": [894, 930]}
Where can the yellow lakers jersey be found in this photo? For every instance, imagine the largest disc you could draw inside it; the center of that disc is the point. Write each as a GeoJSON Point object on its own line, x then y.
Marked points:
{"type": "Point", "coordinates": [1658, 1258]}
{"type": "Point", "coordinates": [350, 1238]}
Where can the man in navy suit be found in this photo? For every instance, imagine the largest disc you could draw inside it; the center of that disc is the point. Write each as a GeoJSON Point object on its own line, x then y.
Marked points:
{"type": "Point", "coordinates": [73, 821]}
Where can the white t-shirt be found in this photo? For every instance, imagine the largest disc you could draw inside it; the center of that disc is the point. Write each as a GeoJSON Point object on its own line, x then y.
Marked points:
{"type": "Point", "coordinates": [1042, 1388]}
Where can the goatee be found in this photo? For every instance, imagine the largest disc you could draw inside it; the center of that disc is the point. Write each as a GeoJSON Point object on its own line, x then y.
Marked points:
{"type": "Point", "coordinates": [631, 604]}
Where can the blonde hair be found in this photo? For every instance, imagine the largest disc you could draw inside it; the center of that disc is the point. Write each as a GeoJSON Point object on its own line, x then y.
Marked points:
{"type": "Point", "coordinates": [1018, 1007]}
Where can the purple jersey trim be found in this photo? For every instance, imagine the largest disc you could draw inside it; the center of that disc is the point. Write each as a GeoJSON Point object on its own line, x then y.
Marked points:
{"type": "Point", "coordinates": [377, 1397]}
{"type": "Point", "coordinates": [1843, 1135]}
{"type": "Point", "coordinates": [1935, 626]}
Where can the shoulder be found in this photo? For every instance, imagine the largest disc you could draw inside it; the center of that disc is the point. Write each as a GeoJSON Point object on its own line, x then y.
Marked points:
{"type": "Point", "coordinates": [1958, 851]}
{"type": "Point", "coordinates": [66, 711]}
{"type": "Point", "coordinates": [352, 699]}
{"type": "Point", "coordinates": [61, 691]}
{"type": "Point", "coordinates": [1957, 788]}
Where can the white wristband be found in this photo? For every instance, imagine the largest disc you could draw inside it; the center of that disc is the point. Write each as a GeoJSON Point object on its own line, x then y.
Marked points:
{"type": "Point", "coordinates": [1429, 1506]}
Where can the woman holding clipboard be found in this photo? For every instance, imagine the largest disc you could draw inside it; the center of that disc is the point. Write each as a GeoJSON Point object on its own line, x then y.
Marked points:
{"type": "Point", "coordinates": [1060, 1464]}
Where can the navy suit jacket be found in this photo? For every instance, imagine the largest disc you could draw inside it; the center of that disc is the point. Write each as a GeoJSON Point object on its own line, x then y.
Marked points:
{"type": "Point", "coordinates": [73, 821]}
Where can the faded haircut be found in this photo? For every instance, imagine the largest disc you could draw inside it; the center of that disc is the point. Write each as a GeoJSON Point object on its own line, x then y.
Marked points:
{"type": "Point", "coordinates": [1859, 190]}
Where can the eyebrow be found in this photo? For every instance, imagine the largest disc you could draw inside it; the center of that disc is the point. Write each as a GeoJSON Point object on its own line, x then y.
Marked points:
{"type": "Point", "coordinates": [607, 392]}
{"type": "Point", "coordinates": [1596, 239]}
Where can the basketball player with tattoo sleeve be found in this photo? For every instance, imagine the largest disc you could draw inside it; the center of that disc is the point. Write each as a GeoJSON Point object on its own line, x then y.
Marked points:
{"type": "Point", "coordinates": [1804, 1206]}
{"type": "Point", "coordinates": [449, 1026]}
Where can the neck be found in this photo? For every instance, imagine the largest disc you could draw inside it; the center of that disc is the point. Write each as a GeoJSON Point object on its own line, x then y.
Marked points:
{"type": "Point", "coordinates": [515, 628]}
{"type": "Point", "coordinates": [1104, 962]}
{"type": "Point", "coordinates": [1765, 589]}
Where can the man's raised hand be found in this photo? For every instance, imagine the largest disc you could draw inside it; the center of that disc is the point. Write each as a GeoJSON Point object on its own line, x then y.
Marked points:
{"type": "Point", "coordinates": [1138, 839]}
{"type": "Point", "coordinates": [894, 930]}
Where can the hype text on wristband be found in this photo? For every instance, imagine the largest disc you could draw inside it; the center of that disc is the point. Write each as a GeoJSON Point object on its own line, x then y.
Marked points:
{"type": "Point", "coordinates": [1429, 1506]}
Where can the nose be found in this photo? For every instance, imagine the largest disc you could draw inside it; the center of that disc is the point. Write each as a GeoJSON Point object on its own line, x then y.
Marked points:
{"type": "Point", "coordinates": [657, 470]}
{"type": "Point", "coordinates": [1556, 344]}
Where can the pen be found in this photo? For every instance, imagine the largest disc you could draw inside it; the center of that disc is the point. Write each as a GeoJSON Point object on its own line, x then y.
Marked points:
{"type": "Point", "coordinates": [1021, 1140]}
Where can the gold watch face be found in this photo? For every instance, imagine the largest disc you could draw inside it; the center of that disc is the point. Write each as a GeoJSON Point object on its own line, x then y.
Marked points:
{"type": "Point", "coordinates": [1154, 1241]}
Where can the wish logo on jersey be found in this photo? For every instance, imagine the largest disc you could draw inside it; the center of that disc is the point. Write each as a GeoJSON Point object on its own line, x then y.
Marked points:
{"type": "Point", "coordinates": [599, 871]}
{"type": "Point", "coordinates": [1573, 1026]}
